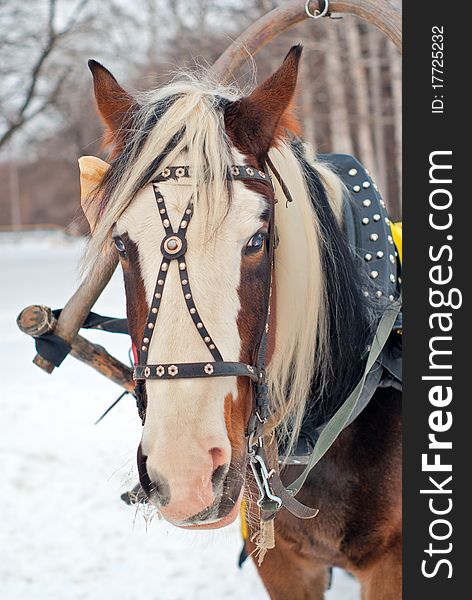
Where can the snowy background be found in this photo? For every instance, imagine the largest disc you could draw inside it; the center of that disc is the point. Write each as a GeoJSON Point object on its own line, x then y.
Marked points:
{"type": "Point", "coordinates": [64, 532]}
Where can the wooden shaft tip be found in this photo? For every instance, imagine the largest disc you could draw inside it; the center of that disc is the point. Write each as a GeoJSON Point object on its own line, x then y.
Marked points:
{"type": "Point", "coordinates": [43, 364]}
{"type": "Point", "coordinates": [35, 320]}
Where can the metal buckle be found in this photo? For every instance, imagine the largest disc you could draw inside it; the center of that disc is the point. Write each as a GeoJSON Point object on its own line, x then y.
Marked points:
{"type": "Point", "coordinates": [262, 477]}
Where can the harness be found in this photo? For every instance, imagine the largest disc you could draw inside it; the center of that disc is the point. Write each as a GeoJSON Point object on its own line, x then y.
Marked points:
{"type": "Point", "coordinates": [376, 243]}
{"type": "Point", "coordinates": [373, 241]}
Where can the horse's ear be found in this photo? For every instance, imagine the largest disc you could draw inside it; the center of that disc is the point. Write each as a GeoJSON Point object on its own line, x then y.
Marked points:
{"type": "Point", "coordinates": [259, 120]}
{"type": "Point", "coordinates": [115, 106]}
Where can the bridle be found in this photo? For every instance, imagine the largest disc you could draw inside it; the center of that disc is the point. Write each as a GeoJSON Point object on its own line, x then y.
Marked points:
{"type": "Point", "coordinates": [173, 248]}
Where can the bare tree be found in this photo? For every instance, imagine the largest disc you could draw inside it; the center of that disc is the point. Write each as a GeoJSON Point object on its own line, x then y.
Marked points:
{"type": "Point", "coordinates": [360, 93]}
{"type": "Point", "coordinates": [34, 102]}
{"type": "Point", "coordinates": [338, 116]}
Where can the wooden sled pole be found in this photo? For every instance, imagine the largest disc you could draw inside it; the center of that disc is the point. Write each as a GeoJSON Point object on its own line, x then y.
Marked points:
{"type": "Point", "coordinates": [78, 307]}
{"type": "Point", "coordinates": [384, 14]}
{"type": "Point", "coordinates": [37, 320]}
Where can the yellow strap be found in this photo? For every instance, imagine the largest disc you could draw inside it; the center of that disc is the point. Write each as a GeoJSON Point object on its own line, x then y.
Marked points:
{"type": "Point", "coordinates": [242, 514]}
{"type": "Point", "coordinates": [397, 237]}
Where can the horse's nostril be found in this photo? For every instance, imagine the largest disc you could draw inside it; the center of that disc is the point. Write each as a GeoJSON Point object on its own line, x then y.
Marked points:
{"type": "Point", "coordinates": [218, 477]}
{"type": "Point", "coordinates": [157, 488]}
{"type": "Point", "coordinates": [220, 467]}
{"type": "Point", "coordinates": [218, 456]}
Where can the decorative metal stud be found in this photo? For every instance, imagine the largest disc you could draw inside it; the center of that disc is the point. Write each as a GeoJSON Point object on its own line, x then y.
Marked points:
{"type": "Point", "coordinates": [357, 188]}
{"type": "Point", "coordinates": [166, 222]}
{"type": "Point", "coordinates": [207, 339]}
{"type": "Point", "coordinates": [366, 202]}
{"type": "Point", "coordinates": [160, 371]}
{"type": "Point", "coordinates": [235, 170]}
{"type": "Point", "coordinates": [173, 370]}
{"type": "Point", "coordinates": [160, 199]}
{"type": "Point", "coordinates": [250, 368]}
{"type": "Point", "coordinates": [249, 170]}
{"type": "Point", "coordinates": [366, 184]}
{"type": "Point", "coordinates": [374, 237]}
{"type": "Point", "coordinates": [352, 172]}
{"type": "Point", "coordinates": [154, 310]}
{"type": "Point", "coordinates": [368, 257]}
{"type": "Point", "coordinates": [374, 274]}
{"type": "Point", "coordinates": [193, 311]}
{"type": "Point", "coordinates": [180, 172]}
{"type": "Point", "coordinates": [376, 217]}
{"type": "Point", "coordinates": [182, 266]}
{"type": "Point", "coordinates": [208, 368]}
{"type": "Point", "coordinates": [165, 172]}
{"type": "Point", "coordinates": [188, 296]}
{"type": "Point", "coordinates": [365, 221]}
{"type": "Point", "coordinates": [164, 267]}
{"type": "Point", "coordinates": [184, 282]}
{"type": "Point", "coordinates": [160, 282]}
{"type": "Point", "coordinates": [387, 220]}
{"type": "Point", "coordinates": [262, 174]}
{"type": "Point", "coordinates": [184, 224]}
{"type": "Point", "coordinates": [380, 254]}
{"type": "Point", "coordinates": [399, 280]}
{"type": "Point", "coordinates": [390, 239]}
{"type": "Point", "coordinates": [144, 348]}
{"type": "Point", "coordinates": [366, 293]}
{"type": "Point", "coordinates": [162, 211]}
{"type": "Point", "coordinates": [188, 211]}
{"type": "Point", "coordinates": [212, 346]}
{"type": "Point", "coordinates": [391, 298]}
{"type": "Point", "coordinates": [378, 294]}
{"type": "Point", "coordinates": [382, 203]}
{"type": "Point", "coordinates": [150, 325]}
{"type": "Point", "coordinates": [157, 296]}
{"type": "Point", "coordinates": [392, 258]}
{"type": "Point", "coordinates": [392, 278]}
{"type": "Point", "coordinates": [147, 372]}
{"type": "Point", "coordinates": [146, 340]}
{"type": "Point", "coordinates": [199, 325]}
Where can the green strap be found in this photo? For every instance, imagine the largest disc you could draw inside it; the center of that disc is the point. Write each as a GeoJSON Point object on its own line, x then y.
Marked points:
{"type": "Point", "coordinates": [341, 417]}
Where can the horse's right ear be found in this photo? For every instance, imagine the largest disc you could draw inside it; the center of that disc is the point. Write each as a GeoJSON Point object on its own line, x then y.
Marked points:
{"type": "Point", "coordinates": [115, 106]}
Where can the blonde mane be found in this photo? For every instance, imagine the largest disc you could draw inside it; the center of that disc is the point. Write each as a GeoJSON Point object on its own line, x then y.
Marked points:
{"type": "Point", "coordinates": [301, 346]}
{"type": "Point", "coordinates": [193, 119]}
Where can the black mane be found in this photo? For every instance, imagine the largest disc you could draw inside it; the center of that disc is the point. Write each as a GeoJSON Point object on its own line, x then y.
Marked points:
{"type": "Point", "coordinates": [349, 312]}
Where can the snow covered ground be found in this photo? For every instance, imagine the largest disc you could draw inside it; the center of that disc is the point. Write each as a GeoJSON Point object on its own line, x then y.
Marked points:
{"type": "Point", "coordinates": [64, 532]}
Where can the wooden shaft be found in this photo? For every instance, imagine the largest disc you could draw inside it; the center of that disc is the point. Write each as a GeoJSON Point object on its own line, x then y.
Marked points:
{"type": "Point", "coordinates": [37, 320]}
{"type": "Point", "coordinates": [384, 14]}
{"type": "Point", "coordinates": [78, 307]}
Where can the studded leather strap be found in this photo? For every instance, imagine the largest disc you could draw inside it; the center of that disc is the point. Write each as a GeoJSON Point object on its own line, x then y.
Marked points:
{"type": "Point", "coordinates": [173, 248]}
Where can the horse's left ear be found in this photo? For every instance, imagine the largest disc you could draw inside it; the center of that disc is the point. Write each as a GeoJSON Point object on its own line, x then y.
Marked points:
{"type": "Point", "coordinates": [257, 121]}
{"type": "Point", "coordinates": [115, 106]}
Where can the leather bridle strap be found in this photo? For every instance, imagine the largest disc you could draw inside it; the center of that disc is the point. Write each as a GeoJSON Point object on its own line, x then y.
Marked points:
{"type": "Point", "coordinates": [195, 370]}
{"type": "Point", "coordinates": [173, 248]}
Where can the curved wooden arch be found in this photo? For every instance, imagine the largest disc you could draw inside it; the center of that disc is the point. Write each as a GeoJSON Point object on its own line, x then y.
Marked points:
{"type": "Point", "coordinates": [384, 14]}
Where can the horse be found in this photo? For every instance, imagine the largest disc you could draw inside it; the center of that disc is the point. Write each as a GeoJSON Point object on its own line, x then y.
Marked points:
{"type": "Point", "coordinates": [224, 181]}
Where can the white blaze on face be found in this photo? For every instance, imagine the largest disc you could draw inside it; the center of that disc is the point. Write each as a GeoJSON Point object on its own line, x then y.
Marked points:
{"type": "Point", "coordinates": [185, 417]}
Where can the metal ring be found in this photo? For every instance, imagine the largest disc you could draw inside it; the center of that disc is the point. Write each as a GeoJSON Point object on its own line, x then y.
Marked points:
{"type": "Point", "coordinates": [317, 14]}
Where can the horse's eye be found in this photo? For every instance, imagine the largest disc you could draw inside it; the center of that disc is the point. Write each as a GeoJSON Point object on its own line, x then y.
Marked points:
{"type": "Point", "coordinates": [120, 245]}
{"type": "Point", "coordinates": [256, 242]}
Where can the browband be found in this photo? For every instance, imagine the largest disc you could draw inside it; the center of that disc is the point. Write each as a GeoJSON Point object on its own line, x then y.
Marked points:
{"type": "Point", "coordinates": [236, 172]}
